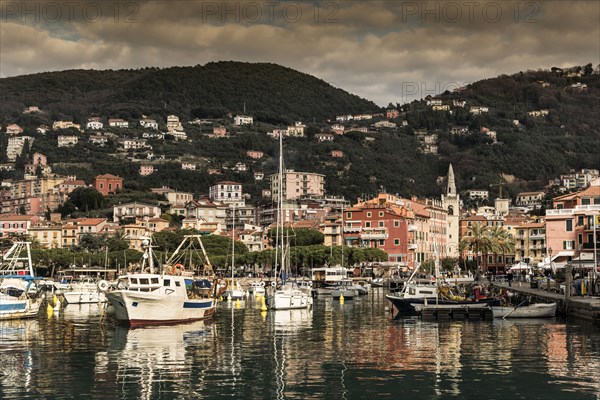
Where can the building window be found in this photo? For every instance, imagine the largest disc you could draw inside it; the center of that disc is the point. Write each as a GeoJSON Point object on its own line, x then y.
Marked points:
{"type": "Point", "coordinates": [367, 224]}
{"type": "Point", "coordinates": [381, 242]}
{"type": "Point", "coordinates": [580, 220]}
{"type": "Point", "coordinates": [569, 225]}
{"type": "Point", "coordinates": [381, 213]}
{"type": "Point", "coordinates": [396, 242]}
{"type": "Point", "coordinates": [381, 224]}
{"type": "Point", "coordinates": [396, 224]}
{"type": "Point", "coordinates": [368, 214]}
{"type": "Point", "coordinates": [349, 215]}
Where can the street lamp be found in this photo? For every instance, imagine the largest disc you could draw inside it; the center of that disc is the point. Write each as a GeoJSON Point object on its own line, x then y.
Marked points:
{"type": "Point", "coordinates": [582, 281]}
{"type": "Point", "coordinates": [551, 271]}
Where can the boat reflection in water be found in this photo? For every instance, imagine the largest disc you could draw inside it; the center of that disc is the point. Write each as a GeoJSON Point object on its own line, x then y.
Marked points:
{"type": "Point", "coordinates": [153, 359]}
{"type": "Point", "coordinates": [17, 366]}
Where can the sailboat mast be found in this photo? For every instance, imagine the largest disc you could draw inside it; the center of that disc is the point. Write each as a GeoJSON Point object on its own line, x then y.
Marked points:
{"type": "Point", "coordinates": [232, 245]}
{"type": "Point", "coordinates": [279, 228]}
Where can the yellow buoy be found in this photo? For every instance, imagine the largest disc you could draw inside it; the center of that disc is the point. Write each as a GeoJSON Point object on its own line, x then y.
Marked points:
{"type": "Point", "coordinates": [342, 299]}
{"type": "Point", "coordinates": [49, 310]}
{"type": "Point", "coordinates": [264, 315]}
{"type": "Point", "coordinates": [54, 299]}
{"type": "Point", "coordinates": [263, 304]}
{"type": "Point", "coordinates": [237, 303]}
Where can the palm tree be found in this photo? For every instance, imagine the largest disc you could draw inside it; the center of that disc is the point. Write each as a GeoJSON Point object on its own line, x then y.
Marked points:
{"type": "Point", "coordinates": [502, 241]}
{"type": "Point", "coordinates": [476, 241]}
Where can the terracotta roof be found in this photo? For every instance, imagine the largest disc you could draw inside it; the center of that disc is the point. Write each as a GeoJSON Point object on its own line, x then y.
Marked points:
{"type": "Point", "coordinates": [17, 217]}
{"type": "Point", "coordinates": [90, 221]}
{"type": "Point", "coordinates": [108, 176]}
{"type": "Point", "coordinates": [227, 183]}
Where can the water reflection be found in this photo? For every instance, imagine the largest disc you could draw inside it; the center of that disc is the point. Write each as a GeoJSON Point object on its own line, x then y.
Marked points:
{"type": "Point", "coordinates": [151, 360]}
{"type": "Point", "coordinates": [334, 351]}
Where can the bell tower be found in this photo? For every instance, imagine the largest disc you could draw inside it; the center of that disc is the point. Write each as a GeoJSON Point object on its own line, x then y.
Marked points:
{"type": "Point", "coordinates": [451, 202]}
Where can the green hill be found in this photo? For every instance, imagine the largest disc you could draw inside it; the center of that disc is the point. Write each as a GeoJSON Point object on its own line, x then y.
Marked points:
{"type": "Point", "coordinates": [271, 93]}
{"type": "Point", "coordinates": [527, 154]}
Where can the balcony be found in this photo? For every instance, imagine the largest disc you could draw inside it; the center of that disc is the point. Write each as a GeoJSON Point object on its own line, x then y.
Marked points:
{"type": "Point", "coordinates": [374, 236]}
{"type": "Point", "coordinates": [351, 229]}
{"type": "Point", "coordinates": [412, 228]}
{"type": "Point", "coordinates": [538, 236]}
{"type": "Point", "coordinates": [413, 246]}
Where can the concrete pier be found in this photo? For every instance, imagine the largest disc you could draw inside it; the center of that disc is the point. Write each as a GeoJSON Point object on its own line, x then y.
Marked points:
{"type": "Point", "coordinates": [581, 307]}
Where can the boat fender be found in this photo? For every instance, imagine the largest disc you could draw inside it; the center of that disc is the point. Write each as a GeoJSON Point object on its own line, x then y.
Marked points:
{"type": "Point", "coordinates": [262, 283]}
{"type": "Point", "coordinates": [103, 285]}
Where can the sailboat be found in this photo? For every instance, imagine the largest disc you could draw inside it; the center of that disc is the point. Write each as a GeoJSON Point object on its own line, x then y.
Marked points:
{"type": "Point", "coordinates": [288, 296]}
{"type": "Point", "coordinates": [234, 291]}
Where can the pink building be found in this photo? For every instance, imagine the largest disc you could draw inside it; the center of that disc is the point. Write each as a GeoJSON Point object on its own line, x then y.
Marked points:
{"type": "Point", "coordinates": [16, 224]}
{"type": "Point", "coordinates": [146, 170]}
{"type": "Point", "coordinates": [255, 154]}
{"type": "Point", "coordinates": [297, 184]}
{"type": "Point", "coordinates": [337, 154]}
{"type": "Point", "coordinates": [392, 114]}
{"type": "Point", "coordinates": [570, 225]}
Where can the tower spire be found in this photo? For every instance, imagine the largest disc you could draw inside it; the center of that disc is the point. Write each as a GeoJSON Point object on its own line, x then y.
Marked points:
{"type": "Point", "coordinates": [451, 183]}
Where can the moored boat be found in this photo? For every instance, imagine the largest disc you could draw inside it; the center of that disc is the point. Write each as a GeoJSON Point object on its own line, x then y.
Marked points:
{"type": "Point", "coordinates": [19, 294]}
{"type": "Point", "coordinates": [157, 298]}
{"type": "Point", "coordinates": [537, 310]}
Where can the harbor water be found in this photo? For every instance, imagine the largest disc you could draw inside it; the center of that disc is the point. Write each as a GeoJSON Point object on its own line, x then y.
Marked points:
{"type": "Point", "coordinates": [349, 350]}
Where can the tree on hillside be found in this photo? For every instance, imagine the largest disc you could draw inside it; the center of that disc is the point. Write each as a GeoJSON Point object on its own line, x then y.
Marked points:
{"type": "Point", "coordinates": [299, 236]}
{"type": "Point", "coordinates": [86, 199]}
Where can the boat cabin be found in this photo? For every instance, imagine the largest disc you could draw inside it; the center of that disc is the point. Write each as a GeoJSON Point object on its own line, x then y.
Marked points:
{"type": "Point", "coordinates": [327, 276]}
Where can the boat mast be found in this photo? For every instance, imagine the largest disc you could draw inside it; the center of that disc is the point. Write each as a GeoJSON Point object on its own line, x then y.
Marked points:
{"type": "Point", "coordinates": [233, 246]}
{"type": "Point", "coordinates": [279, 227]}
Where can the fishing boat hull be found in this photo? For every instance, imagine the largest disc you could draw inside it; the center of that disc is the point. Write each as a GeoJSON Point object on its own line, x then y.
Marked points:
{"type": "Point", "coordinates": [539, 310]}
{"type": "Point", "coordinates": [84, 297]}
{"type": "Point", "coordinates": [139, 308]}
{"type": "Point", "coordinates": [13, 308]}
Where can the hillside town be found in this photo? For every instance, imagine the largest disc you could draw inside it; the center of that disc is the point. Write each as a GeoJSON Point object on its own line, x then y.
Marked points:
{"type": "Point", "coordinates": [411, 231]}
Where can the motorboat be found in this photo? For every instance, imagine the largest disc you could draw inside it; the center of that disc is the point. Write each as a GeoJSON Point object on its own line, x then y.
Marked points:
{"type": "Point", "coordinates": [82, 291]}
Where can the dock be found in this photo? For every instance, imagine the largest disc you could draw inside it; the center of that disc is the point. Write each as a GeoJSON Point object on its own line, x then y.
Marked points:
{"type": "Point", "coordinates": [574, 306]}
{"type": "Point", "coordinates": [458, 312]}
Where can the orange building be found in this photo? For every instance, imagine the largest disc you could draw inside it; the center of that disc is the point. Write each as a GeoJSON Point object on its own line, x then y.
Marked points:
{"type": "Point", "coordinates": [107, 184]}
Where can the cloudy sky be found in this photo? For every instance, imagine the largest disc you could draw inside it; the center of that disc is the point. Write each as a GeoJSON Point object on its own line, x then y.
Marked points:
{"type": "Point", "coordinates": [386, 51]}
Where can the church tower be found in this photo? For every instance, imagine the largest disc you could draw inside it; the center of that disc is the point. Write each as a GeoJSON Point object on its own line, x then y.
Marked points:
{"type": "Point", "coordinates": [451, 202]}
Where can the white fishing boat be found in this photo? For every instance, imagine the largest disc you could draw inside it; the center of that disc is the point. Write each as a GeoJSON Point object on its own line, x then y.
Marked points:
{"type": "Point", "coordinates": [158, 298]}
{"type": "Point", "coordinates": [84, 291]}
{"type": "Point", "coordinates": [19, 297]}
{"type": "Point", "coordinates": [537, 310]}
{"type": "Point", "coordinates": [288, 296]}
